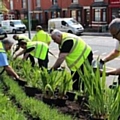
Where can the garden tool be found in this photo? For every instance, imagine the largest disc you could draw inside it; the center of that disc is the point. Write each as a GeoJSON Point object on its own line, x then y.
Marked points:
{"type": "Point", "coordinates": [63, 66]}
{"type": "Point", "coordinates": [52, 54]}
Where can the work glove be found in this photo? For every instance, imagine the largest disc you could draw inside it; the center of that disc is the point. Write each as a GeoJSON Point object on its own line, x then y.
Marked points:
{"type": "Point", "coordinates": [101, 63]}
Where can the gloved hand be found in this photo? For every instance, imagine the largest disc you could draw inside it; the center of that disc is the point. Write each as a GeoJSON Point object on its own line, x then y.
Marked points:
{"type": "Point", "coordinates": [101, 63]}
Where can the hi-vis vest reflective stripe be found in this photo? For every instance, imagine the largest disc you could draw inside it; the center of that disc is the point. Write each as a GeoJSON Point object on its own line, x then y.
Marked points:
{"type": "Point", "coordinates": [40, 50]}
{"type": "Point", "coordinates": [78, 53]}
{"type": "Point", "coordinates": [2, 48]}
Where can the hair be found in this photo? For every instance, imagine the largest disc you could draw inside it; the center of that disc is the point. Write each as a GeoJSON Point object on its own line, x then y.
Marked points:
{"type": "Point", "coordinates": [14, 36]}
{"type": "Point", "coordinates": [115, 23]}
{"type": "Point", "coordinates": [7, 41]}
{"type": "Point", "coordinates": [22, 42]}
{"type": "Point", "coordinates": [56, 32]}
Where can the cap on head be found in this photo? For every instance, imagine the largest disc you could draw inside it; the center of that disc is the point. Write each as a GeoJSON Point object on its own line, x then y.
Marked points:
{"type": "Point", "coordinates": [39, 27]}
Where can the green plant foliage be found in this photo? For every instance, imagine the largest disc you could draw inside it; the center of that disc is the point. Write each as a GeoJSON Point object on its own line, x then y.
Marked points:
{"type": "Point", "coordinates": [65, 84]}
{"type": "Point", "coordinates": [7, 110]}
{"type": "Point", "coordinates": [103, 102]}
{"type": "Point", "coordinates": [34, 23]}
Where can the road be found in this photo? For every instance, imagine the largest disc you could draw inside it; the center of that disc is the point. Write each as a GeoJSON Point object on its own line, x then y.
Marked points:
{"type": "Point", "coordinates": [101, 46]}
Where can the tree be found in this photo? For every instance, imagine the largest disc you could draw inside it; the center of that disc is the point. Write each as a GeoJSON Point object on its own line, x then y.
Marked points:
{"type": "Point", "coordinates": [3, 7]}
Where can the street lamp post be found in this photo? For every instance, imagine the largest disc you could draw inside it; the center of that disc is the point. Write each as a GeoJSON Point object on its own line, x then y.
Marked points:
{"type": "Point", "coordinates": [29, 19]}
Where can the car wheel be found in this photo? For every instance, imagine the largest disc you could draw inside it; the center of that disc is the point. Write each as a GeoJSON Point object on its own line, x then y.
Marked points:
{"type": "Point", "coordinates": [24, 31]}
{"type": "Point", "coordinates": [14, 31]}
{"type": "Point", "coordinates": [70, 32]}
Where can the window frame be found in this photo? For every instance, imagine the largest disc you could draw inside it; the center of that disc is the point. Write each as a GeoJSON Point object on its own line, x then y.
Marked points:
{"type": "Point", "coordinates": [38, 3]}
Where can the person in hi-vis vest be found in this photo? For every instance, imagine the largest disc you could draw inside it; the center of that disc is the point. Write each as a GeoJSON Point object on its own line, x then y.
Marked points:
{"type": "Point", "coordinates": [38, 50]}
{"type": "Point", "coordinates": [6, 45]}
{"type": "Point", "coordinates": [74, 51]}
{"type": "Point", "coordinates": [18, 38]}
{"type": "Point", "coordinates": [41, 35]}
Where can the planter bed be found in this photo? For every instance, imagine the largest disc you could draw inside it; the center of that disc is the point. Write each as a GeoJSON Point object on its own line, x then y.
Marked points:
{"type": "Point", "coordinates": [34, 107]}
{"type": "Point", "coordinates": [71, 107]}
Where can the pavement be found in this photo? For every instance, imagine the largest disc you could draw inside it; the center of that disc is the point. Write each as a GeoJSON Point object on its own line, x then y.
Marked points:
{"type": "Point", "coordinates": [107, 34]}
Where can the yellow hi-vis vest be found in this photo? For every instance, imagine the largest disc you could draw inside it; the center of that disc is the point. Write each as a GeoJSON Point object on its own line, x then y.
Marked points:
{"type": "Point", "coordinates": [2, 50]}
{"type": "Point", "coordinates": [40, 50]}
{"type": "Point", "coordinates": [79, 51]}
{"type": "Point", "coordinates": [42, 36]}
{"type": "Point", "coordinates": [25, 38]}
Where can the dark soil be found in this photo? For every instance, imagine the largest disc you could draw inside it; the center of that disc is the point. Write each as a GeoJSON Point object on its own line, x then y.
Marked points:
{"type": "Point", "coordinates": [72, 108]}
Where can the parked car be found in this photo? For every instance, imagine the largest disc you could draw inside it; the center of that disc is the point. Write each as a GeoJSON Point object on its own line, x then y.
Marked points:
{"type": "Point", "coordinates": [3, 34]}
{"type": "Point", "coordinates": [69, 25]}
{"type": "Point", "coordinates": [13, 26]}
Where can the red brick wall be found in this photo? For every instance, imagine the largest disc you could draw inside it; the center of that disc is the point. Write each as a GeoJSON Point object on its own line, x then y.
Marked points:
{"type": "Point", "coordinates": [86, 2]}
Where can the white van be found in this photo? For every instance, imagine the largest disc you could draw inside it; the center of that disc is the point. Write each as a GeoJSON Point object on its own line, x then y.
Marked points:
{"type": "Point", "coordinates": [69, 25]}
{"type": "Point", "coordinates": [13, 26]}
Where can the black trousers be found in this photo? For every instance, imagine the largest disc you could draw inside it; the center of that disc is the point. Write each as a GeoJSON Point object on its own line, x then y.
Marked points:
{"type": "Point", "coordinates": [43, 63]}
{"type": "Point", "coordinates": [76, 77]}
{"type": "Point", "coordinates": [32, 60]}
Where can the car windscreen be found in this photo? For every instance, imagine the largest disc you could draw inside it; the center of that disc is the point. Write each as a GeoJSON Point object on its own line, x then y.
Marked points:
{"type": "Point", "coordinates": [72, 22]}
{"type": "Point", "coordinates": [16, 22]}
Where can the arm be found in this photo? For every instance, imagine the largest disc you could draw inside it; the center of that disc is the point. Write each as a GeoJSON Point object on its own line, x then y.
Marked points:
{"type": "Point", "coordinates": [20, 53]}
{"type": "Point", "coordinates": [111, 56]}
{"type": "Point", "coordinates": [59, 60]}
{"type": "Point", "coordinates": [113, 72]}
{"type": "Point", "coordinates": [26, 55]}
{"type": "Point", "coordinates": [64, 51]}
{"type": "Point", "coordinates": [11, 72]}
{"type": "Point", "coordinates": [27, 52]}
{"type": "Point", "coordinates": [17, 48]}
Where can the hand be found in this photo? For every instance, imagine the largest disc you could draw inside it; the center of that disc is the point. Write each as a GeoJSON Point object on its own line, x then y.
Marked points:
{"type": "Point", "coordinates": [101, 63]}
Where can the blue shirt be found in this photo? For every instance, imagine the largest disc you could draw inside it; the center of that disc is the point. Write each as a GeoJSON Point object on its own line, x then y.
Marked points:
{"type": "Point", "coordinates": [3, 60]}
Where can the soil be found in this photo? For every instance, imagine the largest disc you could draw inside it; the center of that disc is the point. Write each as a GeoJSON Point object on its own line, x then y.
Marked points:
{"type": "Point", "coordinates": [72, 108]}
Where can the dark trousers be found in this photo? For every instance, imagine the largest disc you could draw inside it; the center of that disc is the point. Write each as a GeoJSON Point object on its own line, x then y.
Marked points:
{"type": "Point", "coordinates": [32, 60]}
{"type": "Point", "coordinates": [76, 77]}
{"type": "Point", "coordinates": [43, 63]}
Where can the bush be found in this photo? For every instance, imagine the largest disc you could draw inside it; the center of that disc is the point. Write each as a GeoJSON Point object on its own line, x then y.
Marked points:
{"type": "Point", "coordinates": [34, 23]}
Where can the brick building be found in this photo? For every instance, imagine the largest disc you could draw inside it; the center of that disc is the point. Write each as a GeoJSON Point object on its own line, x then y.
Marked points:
{"type": "Point", "coordinates": [91, 13]}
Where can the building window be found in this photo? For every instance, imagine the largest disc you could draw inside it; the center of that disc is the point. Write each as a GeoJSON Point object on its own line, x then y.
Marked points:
{"type": "Point", "coordinates": [38, 3]}
{"type": "Point", "coordinates": [98, 0]}
{"type": "Point", "coordinates": [74, 1]}
{"type": "Point", "coordinates": [54, 2]}
{"type": "Point", "coordinates": [97, 14]}
{"type": "Point", "coordinates": [24, 4]}
{"type": "Point", "coordinates": [11, 5]}
{"type": "Point", "coordinates": [104, 15]}
{"type": "Point", "coordinates": [73, 14]}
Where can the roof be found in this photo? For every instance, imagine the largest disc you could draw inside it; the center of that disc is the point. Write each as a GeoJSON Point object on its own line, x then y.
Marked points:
{"type": "Point", "coordinates": [99, 4]}
{"type": "Point", "coordinates": [75, 6]}
{"type": "Point", "coordinates": [55, 7]}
